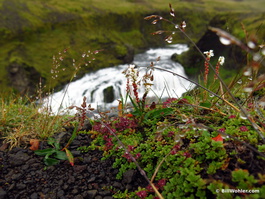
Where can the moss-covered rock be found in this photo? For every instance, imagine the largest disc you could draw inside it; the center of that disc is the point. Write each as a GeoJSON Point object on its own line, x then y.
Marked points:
{"type": "Point", "coordinates": [35, 31]}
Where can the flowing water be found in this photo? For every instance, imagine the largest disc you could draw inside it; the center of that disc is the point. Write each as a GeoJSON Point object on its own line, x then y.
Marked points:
{"type": "Point", "coordinates": [94, 85]}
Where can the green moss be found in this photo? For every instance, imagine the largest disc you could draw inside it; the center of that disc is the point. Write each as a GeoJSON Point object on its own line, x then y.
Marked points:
{"type": "Point", "coordinates": [34, 31]}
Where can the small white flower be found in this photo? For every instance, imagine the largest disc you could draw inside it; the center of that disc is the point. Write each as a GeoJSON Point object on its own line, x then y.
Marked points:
{"type": "Point", "coordinates": [209, 53]}
{"type": "Point", "coordinates": [221, 60]}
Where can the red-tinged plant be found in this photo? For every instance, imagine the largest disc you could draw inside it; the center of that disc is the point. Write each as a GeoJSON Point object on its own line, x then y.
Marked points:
{"type": "Point", "coordinates": [218, 138]}
{"type": "Point", "coordinates": [208, 54]}
{"type": "Point", "coordinates": [142, 194]}
{"type": "Point", "coordinates": [69, 156]}
{"type": "Point", "coordinates": [243, 128]}
{"type": "Point", "coordinates": [217, 67]}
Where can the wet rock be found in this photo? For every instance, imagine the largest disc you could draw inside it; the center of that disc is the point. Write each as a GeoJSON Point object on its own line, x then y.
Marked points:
{"type": "Point", "coordinates": [91, 193]}
{"type": "Point", "coordinates": [18, 159]}
{"type": "Point", "coordinates": [3, 193]}
{"type": "Point", "coordinates": [108, 94]}
{"type": "Point", "coordinates": [23, 77]}
{"type": "Point", "coordinates": [128, 176]}
{"type": "Point", "coordinates": [34, 196]}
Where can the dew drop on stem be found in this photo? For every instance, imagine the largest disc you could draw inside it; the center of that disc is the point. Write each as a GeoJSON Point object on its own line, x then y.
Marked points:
{"type": "Point", "coordinates": [225, 41]}
{"type": "Point", "coordinates": [247, 72]}
{"type": "Point", "coordinates": [182, 134]}
{"type": "Point", "coordinates": [263, 51]}
{"type": "Point", "coordinates": [239, 81]}
{"type": "Point", "coordinates": [242, 116]}
{"type": "Point", "coordinates": [256, 57]}
{"type": "Point", "coordinates": [251, 44]}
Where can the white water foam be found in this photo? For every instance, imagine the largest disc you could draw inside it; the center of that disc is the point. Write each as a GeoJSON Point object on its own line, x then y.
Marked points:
{"type": "Point", "coordinates": [93, 84]}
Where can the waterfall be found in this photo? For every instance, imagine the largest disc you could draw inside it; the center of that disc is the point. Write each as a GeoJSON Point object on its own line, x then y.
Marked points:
{"type": "Point", "coordinates": [104, 87]}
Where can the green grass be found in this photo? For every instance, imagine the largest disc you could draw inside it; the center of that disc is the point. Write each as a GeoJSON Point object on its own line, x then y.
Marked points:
{"type": "Point", "coordinates": [50, 26]}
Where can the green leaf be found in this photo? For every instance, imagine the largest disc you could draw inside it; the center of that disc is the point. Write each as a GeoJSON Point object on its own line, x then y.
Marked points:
{"type": "Point", "coordinates": [44, 152]}
{"type": "Point", "coordinates": [60, 155]}
{"type": "Point", "coordinates": [153, 114]}
{"type": "Point", "coordinates": [206, 104]}
{"type": "Point", "coordinates": [50, 161]}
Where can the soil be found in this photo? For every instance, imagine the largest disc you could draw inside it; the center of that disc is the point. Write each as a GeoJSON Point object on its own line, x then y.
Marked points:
{"type": "Point", "coordinates": [23, 175]}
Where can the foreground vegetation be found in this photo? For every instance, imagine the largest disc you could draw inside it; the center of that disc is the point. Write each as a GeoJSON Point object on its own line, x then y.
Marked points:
{"type": "Point", "coordinates": [202, 145]}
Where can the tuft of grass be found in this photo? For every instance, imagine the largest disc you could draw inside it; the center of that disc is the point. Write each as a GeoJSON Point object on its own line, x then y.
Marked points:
{"type": "Point", "coordinates": [21, 120]}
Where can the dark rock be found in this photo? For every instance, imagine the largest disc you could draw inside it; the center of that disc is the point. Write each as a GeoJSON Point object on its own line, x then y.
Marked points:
{"type": "Point", "coordinates": [128, 176]}
{"type": "Point", "coordinates": [86, 179]}
{"type": "Point", "coordinates": [60, 193]}
{"type": "Point", "coordinates": [20, 186]}
{"type": "Point", "coordinates": [91, 193]}
{"type": "Point", "coordinates": [105, 193]}
{"type": "Point", "coordinates": [18, 159]}
{"type": "Point", "coordinates": [78, 197]}
{"type": "Point", "coordinates": [3, 193]}
{"type": "Point", "coordinates": [108, 94]}
{"type": "Point", "coordinates": [108, 197]}
{"type": "Point", "coordinates": [34, 196]}
{"type": "Point", "coordinates": [23, 77]}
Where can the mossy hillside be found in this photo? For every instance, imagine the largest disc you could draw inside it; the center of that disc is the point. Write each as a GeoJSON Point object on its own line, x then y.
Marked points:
{"type": "Point", "coordinates": [33, 31]}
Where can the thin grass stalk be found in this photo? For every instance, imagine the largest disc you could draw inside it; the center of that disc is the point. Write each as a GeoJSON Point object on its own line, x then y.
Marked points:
{"type": "Point", "coordinates": [199, 85]}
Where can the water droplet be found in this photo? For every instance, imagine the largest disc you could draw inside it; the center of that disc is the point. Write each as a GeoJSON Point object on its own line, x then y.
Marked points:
{"type": "Point", "coordinates": [251, 44]}
{"type": "Point", "coordinates": [239, 81]}
{"type": "Point", "coordinates": [177, 138]}
{"type": "Point", "coordinates": [256, 57]}
{"type": "Point", "coordinates": [185, 119]}
{"type": "Point", "coordinates": [177, 26]}
{"type": "Point", "coordinates": [196, 134]}
{"type": "Point", "coordinates": [154, 22]}
{"type": "Point", "coordinates": [225, 41]}
{"type": "Point", "coordinates": [248, 72]}
{"type": "Point", "coordinates": [242, 116]}
{"type": "Point", "coordinates": [211, 95]}
{"type": "Point", "coordinates": [248, 89]}
{"type": "Point", "coordinates": [224, 136]}
{"type": "Point", "coordinates": [263, 51]}
{"type": "Point", "coordinates": [182, 134]}
{"type": "Point", "coordinates": [169, 39]}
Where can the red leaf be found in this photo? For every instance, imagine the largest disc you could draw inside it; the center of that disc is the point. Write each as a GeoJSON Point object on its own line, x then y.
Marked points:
{"type": "Point", "coordinates": [218, 138]}
{"type": "Point", "coordinates": [34, 144]}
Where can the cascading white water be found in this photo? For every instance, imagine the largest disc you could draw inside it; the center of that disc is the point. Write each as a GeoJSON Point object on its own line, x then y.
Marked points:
{"type": "Point", "coordinates": [92, 85]}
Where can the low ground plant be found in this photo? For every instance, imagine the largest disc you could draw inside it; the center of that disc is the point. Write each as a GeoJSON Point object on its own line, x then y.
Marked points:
{"type": "Point", "coordinates": [202, 145]}
{"type": "Point", "coordinates": [209, 143]}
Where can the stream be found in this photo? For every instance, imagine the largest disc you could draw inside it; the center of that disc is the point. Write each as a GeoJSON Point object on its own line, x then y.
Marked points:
{"type": "Point", "coordinates": [104, 87]}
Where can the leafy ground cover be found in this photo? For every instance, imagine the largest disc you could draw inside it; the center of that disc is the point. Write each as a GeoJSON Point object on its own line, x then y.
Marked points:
{"type": "Point", "coordinates": [207, 144]}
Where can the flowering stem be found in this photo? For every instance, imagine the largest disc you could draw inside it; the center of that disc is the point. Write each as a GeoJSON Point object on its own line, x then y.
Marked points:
{"type": "Point", "coordinates": [245, 113]}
